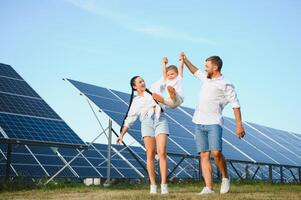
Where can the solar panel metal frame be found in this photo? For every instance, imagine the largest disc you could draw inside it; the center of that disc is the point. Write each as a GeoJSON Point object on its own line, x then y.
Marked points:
{"type": "Point", "coordinates": [247, 162]}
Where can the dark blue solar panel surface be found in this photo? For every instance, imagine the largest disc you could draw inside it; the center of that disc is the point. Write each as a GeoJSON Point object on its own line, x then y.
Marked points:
{"type": "Point", "coordinates": [276, 138]}
{"type": "Point", "coordinates": [8, 71]}
{"type": "Point", "coordinates": [258, 141]}
{"type": "Point", "coordinates": [254, 147]}
{"type": "Point", "coordinates": [38, 129]}
{"type": "Point", "coordinates": [17, 87]}
{"type": "Point", "coordinates": [25, 116]}
{"type": "Point", "coordinates": [26, 106]}
{"type": "Point", "coordinates": [25, 164]}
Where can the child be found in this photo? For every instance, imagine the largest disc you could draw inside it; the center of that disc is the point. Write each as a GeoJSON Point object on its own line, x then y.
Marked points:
{"type": "Point", "coordinates": [171, 82]}
{"type": "Point", "coordinates": [154, 129]}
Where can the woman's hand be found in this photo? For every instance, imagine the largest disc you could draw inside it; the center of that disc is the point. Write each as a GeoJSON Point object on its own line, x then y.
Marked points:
{"type": "Point", "coordinates": [119, 139]}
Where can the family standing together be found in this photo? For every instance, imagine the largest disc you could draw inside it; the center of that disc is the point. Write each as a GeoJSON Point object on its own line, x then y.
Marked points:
{"type": "Point", "coordinates": [150, 105]}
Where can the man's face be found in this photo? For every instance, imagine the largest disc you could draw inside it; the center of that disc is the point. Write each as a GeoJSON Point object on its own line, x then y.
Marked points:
{"type": "Point", "coordinates": [171, 74]}
{"type": "Point", "coordinates": [209, 68]}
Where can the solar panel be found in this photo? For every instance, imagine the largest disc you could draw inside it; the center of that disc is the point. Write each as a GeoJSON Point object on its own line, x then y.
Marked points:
{"type": "Point", "coordinates": [255, 147]}
{"type": "Point", "coordinates": [43, 161]}
{"type": "Point", "coordinates": [26, 117]}
{"type": "Point", "coordinates": [8, 71]}
{"type": "Point", "coordinates": [282, 142]}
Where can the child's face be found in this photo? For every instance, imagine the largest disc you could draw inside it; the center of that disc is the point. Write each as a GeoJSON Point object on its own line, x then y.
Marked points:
{"type": "Point", "coordinates": [171, 74]}
{"type": "Point", "coordinates": [139, 84]}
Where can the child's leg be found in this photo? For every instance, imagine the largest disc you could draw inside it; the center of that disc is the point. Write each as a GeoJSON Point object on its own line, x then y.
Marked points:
{"type": "Point", "coordinates": [173, 104]}
{"type": "Point", "coordinates": [175, 100]}
{"type": "Point", "coordinates": [172, 92]}
{"type": "Point", "coordinates": [158, 97]}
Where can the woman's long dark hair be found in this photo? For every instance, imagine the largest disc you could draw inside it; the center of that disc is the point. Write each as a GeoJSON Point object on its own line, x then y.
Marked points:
{"type": "Point", "coordinates": [132, 83]}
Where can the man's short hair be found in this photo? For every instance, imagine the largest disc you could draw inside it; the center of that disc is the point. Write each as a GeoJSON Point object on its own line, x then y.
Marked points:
{"type": "Point", "coordinates": [216, 60]}
{"type": "Point", "coordinates": [172, 67]}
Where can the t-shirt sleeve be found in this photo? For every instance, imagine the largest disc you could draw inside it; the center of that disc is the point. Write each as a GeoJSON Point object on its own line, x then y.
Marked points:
{"type": "Point", "coordinates": [231, 96]}
{"type": "Point", "coordinates": [132, 115]}
{"type": "Point", "coordinates": [200, 75]}
{"type": "Point", "coordinates": [158, 86]}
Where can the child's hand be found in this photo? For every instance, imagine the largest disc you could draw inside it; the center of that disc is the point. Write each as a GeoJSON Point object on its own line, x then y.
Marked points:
{"type": "Point", "coordinates": [164, 60]}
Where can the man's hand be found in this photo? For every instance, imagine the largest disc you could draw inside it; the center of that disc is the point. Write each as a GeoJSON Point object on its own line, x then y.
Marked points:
{"type": "Point", "coordinates": [182, 57]}
{"type": "Point", "coordinates": [240, 131]}
{"type": "Point", "coordinates": [164, 60]}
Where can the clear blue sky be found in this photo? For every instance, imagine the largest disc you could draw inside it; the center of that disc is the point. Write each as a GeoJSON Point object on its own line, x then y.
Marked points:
{"type": "Point", "coordinates": [107, 42]}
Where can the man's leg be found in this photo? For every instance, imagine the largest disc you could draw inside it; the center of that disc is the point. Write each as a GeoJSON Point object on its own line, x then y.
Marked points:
{"type": "Point", "coordinates": [215, 142]}
{"type": "Point", "coordinates": [220, 163]}
{"type": "Point", "coordinates": [206, 168]}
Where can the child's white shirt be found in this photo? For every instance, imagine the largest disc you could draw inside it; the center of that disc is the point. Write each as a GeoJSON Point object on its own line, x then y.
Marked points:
{"type": "Point", "coordinates": [177, 84]}
{"type": "Point", "coordinates": [161, 86]}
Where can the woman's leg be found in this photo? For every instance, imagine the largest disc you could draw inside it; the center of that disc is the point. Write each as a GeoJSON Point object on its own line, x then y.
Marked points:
{"type": "Point", "coordinates": [150, 146]}
{"type": "Point", "coordinates": [161, 141]}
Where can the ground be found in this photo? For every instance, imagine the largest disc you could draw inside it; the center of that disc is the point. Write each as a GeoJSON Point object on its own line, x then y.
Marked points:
{"type": "Point", "coordinates": [178, 191]}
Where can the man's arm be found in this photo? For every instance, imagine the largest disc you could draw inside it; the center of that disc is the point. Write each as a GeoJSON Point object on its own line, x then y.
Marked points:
{"type": "Point", "coordinates": [239, 126]}
{"type": "Point", "coordinates": [189, 65]}
{"type": "Point", "coordinates": [164, 63]}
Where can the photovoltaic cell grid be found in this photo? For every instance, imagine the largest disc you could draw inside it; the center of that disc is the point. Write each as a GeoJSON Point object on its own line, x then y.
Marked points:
{"type": "Point", "coordinates": [261, 144]}
{"type": "Point", "coordinates": [42, 161]}
{"type": "Point", "coordinates": [26, 117]}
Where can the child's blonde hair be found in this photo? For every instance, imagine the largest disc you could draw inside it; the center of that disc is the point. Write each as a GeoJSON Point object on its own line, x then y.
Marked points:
{"type": "Point", "coordinates": [172, 67]}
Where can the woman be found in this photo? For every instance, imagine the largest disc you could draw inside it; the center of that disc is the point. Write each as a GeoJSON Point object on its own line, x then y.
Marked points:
{"type": "Point", "coordinates": [154, 129]}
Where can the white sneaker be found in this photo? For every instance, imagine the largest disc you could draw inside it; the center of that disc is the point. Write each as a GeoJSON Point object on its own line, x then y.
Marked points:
{"type": "Point", "coordinates": [164, 189]}
{"type": "Point", "coordinates": [225, 186]}
{"type": "Point", "coordinates": [206, 191]}
{"type": "Point", "coordinates": [153, 189]}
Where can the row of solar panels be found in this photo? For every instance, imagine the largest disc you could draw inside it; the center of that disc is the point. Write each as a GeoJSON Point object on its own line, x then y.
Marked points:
{"type": "Point", "coordinates": [26, 117]}
{"type": "Point", "coordinates": [42, 161]}
{"type": "Point", "coordinates": [261, 144]}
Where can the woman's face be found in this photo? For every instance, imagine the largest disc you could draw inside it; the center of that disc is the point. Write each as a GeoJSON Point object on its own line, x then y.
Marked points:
{"type": "Point", "coordinates": [139, 84]}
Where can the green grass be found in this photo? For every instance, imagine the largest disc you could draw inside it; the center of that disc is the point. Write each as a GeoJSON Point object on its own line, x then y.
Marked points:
{"type": "Point", "coordinates": [178, 191]}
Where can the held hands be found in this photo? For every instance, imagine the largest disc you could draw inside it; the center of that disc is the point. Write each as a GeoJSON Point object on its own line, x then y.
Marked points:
{"type": "Point", "coordinates": [240, 131]}
{"type": "Point", "coordinates": [182, 57]}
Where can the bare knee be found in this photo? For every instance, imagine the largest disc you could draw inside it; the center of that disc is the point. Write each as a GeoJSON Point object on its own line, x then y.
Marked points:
{"type": "Point", "coordinates": [150, 155]}
{"type": "Point", "coordinates": [161, 153]}
{"type": "Point", "coordinates": [217, 154]}
{"type": "Point", "coordinates": [205, 155]}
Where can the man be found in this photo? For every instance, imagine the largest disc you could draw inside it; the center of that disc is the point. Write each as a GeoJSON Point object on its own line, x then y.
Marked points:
{"type": "Point", "coordinates": [215, 94]}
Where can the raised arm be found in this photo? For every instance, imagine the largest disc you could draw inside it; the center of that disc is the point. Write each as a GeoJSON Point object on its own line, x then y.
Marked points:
{"type": "Point", "coordinates": [181, 68]}
{"type": "Point", "coordinates": [189, 65]}
{"type": "Point", "coordinates": [164, 63]}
